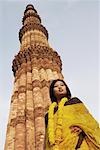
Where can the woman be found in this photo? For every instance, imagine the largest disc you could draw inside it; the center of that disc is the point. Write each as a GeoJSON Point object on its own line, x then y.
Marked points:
{"type": "Point", "coordinates": [69, 125]}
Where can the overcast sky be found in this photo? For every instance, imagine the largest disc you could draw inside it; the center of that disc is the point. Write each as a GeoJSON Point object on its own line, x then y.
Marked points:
{"type": "Point", "coordinates": [73, 27]}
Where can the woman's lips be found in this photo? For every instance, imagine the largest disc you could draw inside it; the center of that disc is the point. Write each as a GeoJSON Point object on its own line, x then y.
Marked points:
{"type": "Point", "coordinates": [60, 90]}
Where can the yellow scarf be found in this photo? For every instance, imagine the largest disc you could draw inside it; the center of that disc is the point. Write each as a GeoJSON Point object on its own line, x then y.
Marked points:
{"type": "Point", "coordinates": [55, 137]}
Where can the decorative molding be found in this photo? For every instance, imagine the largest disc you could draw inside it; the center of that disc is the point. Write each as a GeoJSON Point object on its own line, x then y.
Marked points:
{"type": "Point", "coordinates": [29, 115]}
{"type": "Point", "coordinates": [20, 120]}
{"type": "Point", "coordinates": [45, 83]}
{"type": "Point", "coordinates": [29, 7]}
{"type": "Point", "coordinates": [21, 89]}
{"type": "Point", "coordinates": [31, 14]}
{"type": "Point", "coordinates": [14, 96]}
{"type": "Point", "coordinates": [39, 112]}
{"type": "Point", "coordinates": [17, 120]}
{"type": "Point", "coordinates": [40, 56]}
{"type": "Point", "coordinates": [29, 87]}
{"type": "Point", "coordinates": [36, 83]}
{"type": "Point", "coordinates": [32, 26]}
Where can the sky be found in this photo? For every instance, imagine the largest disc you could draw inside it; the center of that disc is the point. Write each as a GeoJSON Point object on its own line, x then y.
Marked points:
{"type": "Point", "coordinates": [73, 27]}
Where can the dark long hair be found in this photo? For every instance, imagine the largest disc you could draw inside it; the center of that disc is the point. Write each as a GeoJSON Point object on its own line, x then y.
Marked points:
{"type": "Point", "coordinates": [52, 95]}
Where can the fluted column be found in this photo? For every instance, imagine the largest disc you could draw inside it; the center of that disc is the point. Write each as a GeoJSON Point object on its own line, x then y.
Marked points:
{"type": "Point", "coordinates": [10, 135]}
{"type": "Point", "coordinates": [30, 125]}
{"type": "Point", "coordinates": [20, 139]}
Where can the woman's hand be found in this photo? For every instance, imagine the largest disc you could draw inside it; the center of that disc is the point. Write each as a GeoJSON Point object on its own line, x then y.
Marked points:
{"type": "Point", "coordinates": [75, 129]}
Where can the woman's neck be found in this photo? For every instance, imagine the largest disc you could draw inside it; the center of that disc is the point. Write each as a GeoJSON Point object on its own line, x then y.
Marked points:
{"type": "Point", "coordinates": [59, 99]}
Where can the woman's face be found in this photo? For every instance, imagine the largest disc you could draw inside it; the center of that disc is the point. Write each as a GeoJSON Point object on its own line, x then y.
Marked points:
{"type": "Point", "coordinates": [59, 89]}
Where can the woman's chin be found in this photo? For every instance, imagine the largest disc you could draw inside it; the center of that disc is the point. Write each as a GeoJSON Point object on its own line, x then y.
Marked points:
{"type": "Point", "coordinates": [61, 95]}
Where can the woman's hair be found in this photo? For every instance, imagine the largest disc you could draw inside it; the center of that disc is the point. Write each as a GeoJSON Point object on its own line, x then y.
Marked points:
{"type": "Point", "coordinates": [52, 95]}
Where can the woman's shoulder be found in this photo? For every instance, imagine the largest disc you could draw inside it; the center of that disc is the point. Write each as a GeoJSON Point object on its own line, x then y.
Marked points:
{"type": "Point", "coordinates": [76, 99]}
{"type": "Point", "coordinates": [73, 100]}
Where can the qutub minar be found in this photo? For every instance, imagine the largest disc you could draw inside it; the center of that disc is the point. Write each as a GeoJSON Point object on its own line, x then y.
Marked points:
{"type": "Point", "coordinates": [34, 67]}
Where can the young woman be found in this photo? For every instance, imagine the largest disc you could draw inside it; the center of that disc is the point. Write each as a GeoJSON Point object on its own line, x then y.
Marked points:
{"type": "Point", "coordinates": [69, 125]}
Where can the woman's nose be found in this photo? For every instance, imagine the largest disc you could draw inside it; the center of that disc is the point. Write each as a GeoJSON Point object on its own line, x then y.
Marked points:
{"type": "Point", "coordinates": [59, 87]}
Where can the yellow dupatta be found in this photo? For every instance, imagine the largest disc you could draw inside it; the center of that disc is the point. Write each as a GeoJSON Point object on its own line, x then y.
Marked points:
{"type": "Point", "coordinates": [69, 115]}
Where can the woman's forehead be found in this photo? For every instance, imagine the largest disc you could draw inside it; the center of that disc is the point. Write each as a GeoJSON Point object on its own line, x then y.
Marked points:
{"type": "Point", "coordinates": [59, 82]}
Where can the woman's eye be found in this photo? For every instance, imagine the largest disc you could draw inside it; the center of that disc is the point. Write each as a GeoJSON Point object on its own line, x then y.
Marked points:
{"type": "Point", "coordinates": [55, 86]}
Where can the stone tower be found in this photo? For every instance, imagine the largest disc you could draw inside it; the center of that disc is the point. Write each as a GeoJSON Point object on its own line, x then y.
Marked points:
{"type": "Point", "coordinates": [34, 67]}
